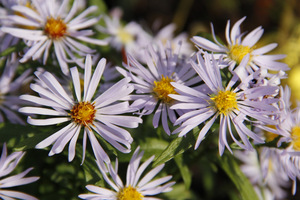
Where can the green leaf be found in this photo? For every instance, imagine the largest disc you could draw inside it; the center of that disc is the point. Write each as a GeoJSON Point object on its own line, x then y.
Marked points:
{"type": "Point", "coordinates": [184, 170]}
{"type": "Point", "coordinates": [180, 192]}
{"type": "Point", "coordinates": [21, 137]}
{"type": "Point", "coordinates": [242, 183]}
{"type": "Point", "coordinates": [90, 168]}
{"type": "Point", "coordinates": [177, 146]}
{"type": "Point", "coordinates": [150, 146]}
{"type": "Point", "coordinates": [12, 49]}
{"type": "Point", "coordinates": [100, 4]}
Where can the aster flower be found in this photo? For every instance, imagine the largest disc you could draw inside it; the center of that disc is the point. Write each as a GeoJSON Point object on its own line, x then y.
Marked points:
{"type": "Point", "coordinates": [136, 187]}
{"type": "Point", "coordinates": [7, 165]}
{"type": "Point", "coordinates": [10, 89]}
{"type": "Point", "coordinates": [166, 34]}
{"type": "Point", "coordinates": [47, 23]}
{"type": "Point", "coordinates": [239, 45]}
{"type": "Point", "coordinates": [265, 172]}
{"type": "Point", "coordinates": [289, 130]}
{"type": "Point", "coordinates": [124, 37]}
{"type": "Point", "coordinates": [152, 83]}
{"type": "Point", "coordinates": [7, 40]}
{"type": "Point", "coordinates": [101, 114]}
{"type": "Point", "coordinates": [129, 36]}
{"type": "Point", "coordinates": [232, 104]}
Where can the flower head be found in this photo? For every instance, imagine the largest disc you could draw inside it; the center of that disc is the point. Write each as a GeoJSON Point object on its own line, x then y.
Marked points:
{"type": "Point", "coordinates": [136, 187]}
{"type": "Point", "coordinates": [241, 47]}
{"type": "Point", "coordinates": [167, 34]}
{"type": "Point", "coordinates": [54, 24]}
{"type": "Point", "coordinates": [7, 40]}
{"type": "Point", "coordinates": [234, 105]}
{"type": "Point", "coordinates": [7, 165]}
{"type": "Point", "coordinates": [100, 114]}
{"type": "Point", "coordinates": [129, 37]}
{"type": "Point", "coordinates": [289, 131]}
{"type": "Point", "coordinates": [265, 171]}
{"type": "Point", "coordinates": [153, 82]}
{"type": "Point", "coordinates": [10, 89]}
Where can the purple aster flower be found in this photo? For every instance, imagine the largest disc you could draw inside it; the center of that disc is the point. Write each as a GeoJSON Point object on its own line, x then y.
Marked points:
{"type": "Point", "coordinates": [233, 105]}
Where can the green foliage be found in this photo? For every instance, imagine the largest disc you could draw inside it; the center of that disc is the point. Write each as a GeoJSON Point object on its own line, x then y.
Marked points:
{"type": "Point", "coordinates": [184, 170]}
{"type": "Point", "coordinates": [242, 183]}
{"type": "Point", "coordinates": [12, 49]}
{"type": "Point", "coordinates": [177, 146]}
{"type": "Point", "coordinates": [102, 8]}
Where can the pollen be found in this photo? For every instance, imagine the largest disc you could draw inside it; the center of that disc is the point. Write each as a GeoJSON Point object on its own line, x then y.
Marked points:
{"type": "Point", "coordinates": [163, 88]}
{"type": "Point", "coordinates": [129, 193]}
{"type": "Point", "coordinates": [55, 28]}
{"type": "Point", "coordinates": [225, 101]}
{"type": "Point", "coordinates": [296, 138]}
{"type": "Point", "coordinates": [124, 36]}
{"type": "Point", "coordinates": [83, 113]}
{"type": "Point", "coordinates": [238, 52]}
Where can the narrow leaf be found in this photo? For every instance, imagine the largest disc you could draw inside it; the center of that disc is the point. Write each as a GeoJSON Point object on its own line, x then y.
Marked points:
{"type": "Point", "coordinates": [177, 146]}
{"type": "Point", "coordinates": [242, 183]}
{"type": "Point", "coordinates": [184, 170]}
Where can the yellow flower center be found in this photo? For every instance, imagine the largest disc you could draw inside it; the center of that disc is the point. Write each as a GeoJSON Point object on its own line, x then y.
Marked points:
{"type": "Point", "coordinates": [163, 88]}
{"type": "Point", "coordinates": [225, 101]}
{"type": "Point", "coordinates": [238, 52]}
{"type": "Point", "coordinates": [125, 36]}
{"type": "Point", "coordinates": [83, 113]}
{"type": "Point", "coordinates": [129, 193]}
{"type": "Point", "coordinates": [296, 138]}
{"type": "Point", "coordinates": [55, 28]}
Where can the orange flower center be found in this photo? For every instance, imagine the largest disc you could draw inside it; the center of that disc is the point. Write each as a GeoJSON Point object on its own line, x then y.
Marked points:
{"type": "Point", "coordinates": [83, 113]}
{"type": "Point", "coordinates": [55, 28]}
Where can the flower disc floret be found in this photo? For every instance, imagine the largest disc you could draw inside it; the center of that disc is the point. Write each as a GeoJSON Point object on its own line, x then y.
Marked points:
{"type": "Point", "coordinates": [125, 36]}
{"type": "Point", "coordinates": [129, 193]}
{"type": "Point", "coordinates": [163, 88]}
{"type": "Point", "coordinates": [225, 101]}
{"type": "Point", "coordinates": [296, 138]}
{"type": "Point", "coordinates": [83, 113]}
{"type": "Point", "coordinates": [238, 52]}
{"type": "Point", "coordinates": [55, 28]}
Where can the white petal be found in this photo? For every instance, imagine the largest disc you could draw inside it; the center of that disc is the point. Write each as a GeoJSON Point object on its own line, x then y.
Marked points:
{"type": "Point", "coordinates": [72, 145]}
{"type": "Point", "coordinates": [204, 130]}
{"type": "Point", "coordinates": [235, 31]}
{"type": "Point", "coordinates": [150, 175]}
{"type": "Point", "coordinates": [52, 138]}
{"type": "Point", "coordinates": [15, 194]}
{"type": "Point", "coordinates": [41, 111]}
{"type": "Point", "coordinates": [32, 35]}
{"type": "Point", "coordinates": [252, 38]}
{"type": "Point", "coordinates": [207, 45]}
{"type": "Point", "coordinates": [76, 82]}
{"type": "Point", "coordinates": [95, 79]}
{"type": "Point", "coordinates": [45, 122]}
{"type": "Point", "coordinates": [92, 41]}
{"type": "Point", "coordinates": [264, 49]}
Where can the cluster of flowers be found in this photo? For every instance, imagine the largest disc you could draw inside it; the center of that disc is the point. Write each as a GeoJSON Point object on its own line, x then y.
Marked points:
{"type": "Point", "coordinates": [230, 85]}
